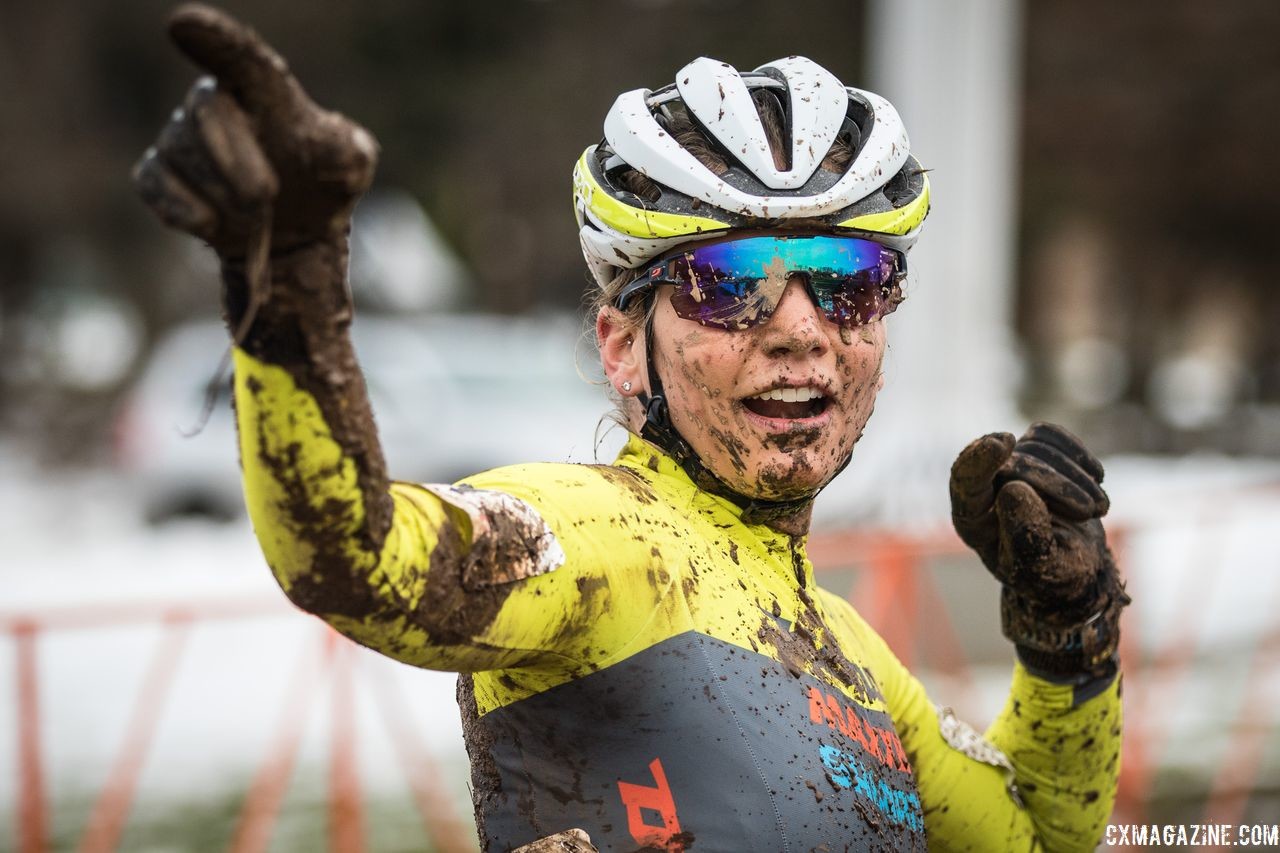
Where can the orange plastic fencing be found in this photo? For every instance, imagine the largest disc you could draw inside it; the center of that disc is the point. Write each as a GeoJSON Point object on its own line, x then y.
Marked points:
{"type": "Point", "coordinates": [330, 658]}
{"type": "Point", "coordinates": [894, 588]}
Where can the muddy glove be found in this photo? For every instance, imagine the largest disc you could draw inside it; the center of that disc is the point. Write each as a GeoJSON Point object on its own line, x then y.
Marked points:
{"type": "Point", "coordinates": [1031, 509]}
{"type": "Point", "coordinates": [569, 841]}
{"type": "Point", "coordinates": [253, 166]}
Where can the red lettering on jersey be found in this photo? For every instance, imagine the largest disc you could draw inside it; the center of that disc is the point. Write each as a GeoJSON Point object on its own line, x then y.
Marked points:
{"type": "Point", "coordinates": [893, 747]}
{"type": "Point", "coordinates": [823, 706]}
{"type": "Point", "coordinates": [881, 744]}
{"type": "Point", "coordinates": [869, 740]}
{"type": "Point", "coordinates": [857, 732]}
{"type": "Point", "coordinates": [815, 705]}
{"type": "Point", "coordinates": [835, 717]}
{"type": "Point", "coordinates": [657, 798]}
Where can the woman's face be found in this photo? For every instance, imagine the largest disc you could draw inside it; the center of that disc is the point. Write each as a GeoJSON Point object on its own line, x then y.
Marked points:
{"type": "Point", "coordinates": [722, 389]}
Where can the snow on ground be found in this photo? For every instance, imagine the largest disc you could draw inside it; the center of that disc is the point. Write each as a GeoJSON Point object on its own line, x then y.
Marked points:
{"type": "Point", "coordinates": [1202, 556]}
{"type": "Point", "coordinates": [76, 543]}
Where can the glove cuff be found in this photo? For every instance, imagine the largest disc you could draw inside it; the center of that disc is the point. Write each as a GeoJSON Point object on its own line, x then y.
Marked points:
{"type": "Point", "coordinates": [1087, 647]}
{"type": "Point", "coordinates": [300, 299]}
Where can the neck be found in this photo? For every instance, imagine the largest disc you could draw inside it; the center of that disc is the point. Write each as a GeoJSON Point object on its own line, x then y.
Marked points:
{"type": "Point", "coordinates": [794, 524]}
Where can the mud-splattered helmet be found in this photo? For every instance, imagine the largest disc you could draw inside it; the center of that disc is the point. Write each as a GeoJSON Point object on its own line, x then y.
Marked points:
{"type": "Point", "coordinates": [880, 192]}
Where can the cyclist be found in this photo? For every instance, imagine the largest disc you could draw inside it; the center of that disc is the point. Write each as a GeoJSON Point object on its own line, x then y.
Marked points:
{"type": "Point", "coordinates": [645, 655]}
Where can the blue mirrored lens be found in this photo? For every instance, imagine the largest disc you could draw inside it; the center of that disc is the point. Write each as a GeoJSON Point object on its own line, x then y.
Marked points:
{"type": "Point", "coordinates": [737, 284]}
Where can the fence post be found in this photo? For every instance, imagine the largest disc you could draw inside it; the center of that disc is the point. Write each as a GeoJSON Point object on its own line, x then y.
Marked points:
{"type": "Point", "coordinates": [110, 812]}
{"type": "Point", "coordinates": [346, 820]}
{"type": "Point", "coordinates": [32, 829]}
{"type": "Point", "coordinates": [447, 831]}
{"type": "Point", "coordinates": [266, 792]}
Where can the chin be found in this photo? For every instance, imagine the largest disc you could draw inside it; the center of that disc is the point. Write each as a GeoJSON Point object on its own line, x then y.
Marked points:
{"type": "Point", "coordinates": [793, 476]}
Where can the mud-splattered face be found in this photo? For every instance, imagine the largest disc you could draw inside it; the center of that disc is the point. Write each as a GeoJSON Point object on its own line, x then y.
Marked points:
{"type": "Point", "coordinates": [773, 410]}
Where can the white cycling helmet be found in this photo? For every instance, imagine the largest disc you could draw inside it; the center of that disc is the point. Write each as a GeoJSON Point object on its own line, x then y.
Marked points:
{"type": "Point", "coordinates": [882, 192]}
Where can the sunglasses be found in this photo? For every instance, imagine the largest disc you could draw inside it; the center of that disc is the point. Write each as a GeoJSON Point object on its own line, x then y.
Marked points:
{"type": "Point", "coordinates": [737, 284]}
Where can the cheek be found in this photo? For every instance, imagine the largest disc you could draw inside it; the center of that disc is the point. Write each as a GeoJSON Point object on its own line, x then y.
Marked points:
{"type": "Point", "coordinates": [701, 367]}
{"type": "Point", "coordinates": [859, 357]}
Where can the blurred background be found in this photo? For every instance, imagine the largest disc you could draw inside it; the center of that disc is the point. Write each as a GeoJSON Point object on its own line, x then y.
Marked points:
{"type": "Point", "coordinates": [1100, 253]}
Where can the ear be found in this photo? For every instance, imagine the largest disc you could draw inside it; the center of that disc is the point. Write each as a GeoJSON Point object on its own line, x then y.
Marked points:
{"type": "Point", "coordinates": [621, 352]}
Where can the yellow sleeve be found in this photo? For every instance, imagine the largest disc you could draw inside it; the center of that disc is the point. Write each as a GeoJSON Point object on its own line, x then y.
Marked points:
{"type": "Point", "coordinates": [416, 591]}
{"type": "Point", "coordinates": [516, 567]}
{"type": "Point", "coordinates": [1066, 755]}
{"type": "Point", "coordinates": [1064, 759]}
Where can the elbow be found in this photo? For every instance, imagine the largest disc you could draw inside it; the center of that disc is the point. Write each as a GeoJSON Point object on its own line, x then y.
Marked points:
{"type": "Point", "coordinates": [327, 584]}
{"type": "Point", "coordinates": [328, 596]}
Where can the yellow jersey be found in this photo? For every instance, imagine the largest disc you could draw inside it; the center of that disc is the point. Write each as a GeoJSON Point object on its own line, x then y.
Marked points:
{"type": "Point", "coordinates": [640, 663]}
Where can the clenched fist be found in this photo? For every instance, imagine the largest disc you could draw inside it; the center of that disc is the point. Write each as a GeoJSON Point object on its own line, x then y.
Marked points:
{"type": "Point", "coordinates": [1032, 510]}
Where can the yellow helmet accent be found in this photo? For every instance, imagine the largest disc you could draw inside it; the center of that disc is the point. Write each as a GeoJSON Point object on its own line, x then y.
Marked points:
{"type": "Point", "coordinates": [632, 221]}
{"type": "Point", "coordinates": [901, 220]}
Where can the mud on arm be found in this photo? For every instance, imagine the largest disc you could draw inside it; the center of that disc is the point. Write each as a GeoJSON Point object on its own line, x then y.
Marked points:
{"type": "Point", "coordinates": [418, 572]}
{"type": "Point", "coordinates": [254, 167]}
{"type": "Point", "coordinates": [1043, 776]}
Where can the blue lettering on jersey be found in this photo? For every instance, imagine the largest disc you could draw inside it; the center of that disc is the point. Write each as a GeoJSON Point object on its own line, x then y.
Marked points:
{"type": "Point", "coordinates": [902, 807]}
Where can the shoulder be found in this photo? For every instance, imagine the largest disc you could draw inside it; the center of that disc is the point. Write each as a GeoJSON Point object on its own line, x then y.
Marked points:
{"type": "Point", "coordinates": [539, 481]}
{"type": "Point", "coordinates": [598, 501]}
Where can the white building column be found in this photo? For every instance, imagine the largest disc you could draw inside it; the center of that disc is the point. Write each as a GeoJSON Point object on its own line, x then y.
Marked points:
{"type": "Point", "coordinates": [953, 70]}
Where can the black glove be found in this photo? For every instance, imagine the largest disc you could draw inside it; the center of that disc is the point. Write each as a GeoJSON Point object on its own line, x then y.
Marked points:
{"type": "Point", "coordinates": [253, 166]}
{"type": "Point", "coordinates": [1031, 510]}
{"type": "Point", "coordinates": [569, 841]}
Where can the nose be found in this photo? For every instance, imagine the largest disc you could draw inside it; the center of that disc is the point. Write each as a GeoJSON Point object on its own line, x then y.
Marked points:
{"type": "Point", "coordinates": [796, 324]}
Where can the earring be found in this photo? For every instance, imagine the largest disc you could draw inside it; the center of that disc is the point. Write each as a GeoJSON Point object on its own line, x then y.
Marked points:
{"type": "Point", "coordinates": [626, 387]}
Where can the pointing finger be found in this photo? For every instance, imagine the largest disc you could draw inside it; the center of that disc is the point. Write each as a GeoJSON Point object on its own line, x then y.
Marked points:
{"type": "Point", "coordinates": [245, 65]}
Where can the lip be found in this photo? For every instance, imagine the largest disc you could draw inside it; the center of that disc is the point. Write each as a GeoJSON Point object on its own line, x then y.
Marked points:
{"type": "Point", "coordinates": [780, 426]}
{"type": "Point", "coordinates": [785, 425]}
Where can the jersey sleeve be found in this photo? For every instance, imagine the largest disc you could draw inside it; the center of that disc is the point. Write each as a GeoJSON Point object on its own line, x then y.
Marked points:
{"type": "Point", "coordinates": [464, 578]}
{"type": "Point", "coordinates": [1043, 776]}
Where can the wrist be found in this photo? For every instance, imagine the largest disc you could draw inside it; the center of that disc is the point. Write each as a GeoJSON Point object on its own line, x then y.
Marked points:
{"type": "Point", "coordinates": [1084, 685]}
{"type": "Point", "coordinates": [1064, 648]}
{"type": "Point", "coordinates": [299, 295]}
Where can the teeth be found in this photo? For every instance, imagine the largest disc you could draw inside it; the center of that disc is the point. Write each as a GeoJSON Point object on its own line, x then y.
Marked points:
{"type": "Point", "coordinates": [791, 395]}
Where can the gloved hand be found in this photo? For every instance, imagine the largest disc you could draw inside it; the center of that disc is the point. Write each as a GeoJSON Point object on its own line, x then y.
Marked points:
{"type": "Point", "coordinates": [251, 164]}
{"type": "Point", "coordinates": [1031, 509]}
{"type": "Point", "coordinates": [569, 841]}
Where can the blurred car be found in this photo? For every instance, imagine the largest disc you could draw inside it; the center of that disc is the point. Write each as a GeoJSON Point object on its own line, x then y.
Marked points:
{"type": "Point", "coordinates": [451, 395]}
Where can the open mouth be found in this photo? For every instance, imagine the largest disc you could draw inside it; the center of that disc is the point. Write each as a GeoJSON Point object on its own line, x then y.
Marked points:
{"type": "Point", "coordinates": [788, 403]}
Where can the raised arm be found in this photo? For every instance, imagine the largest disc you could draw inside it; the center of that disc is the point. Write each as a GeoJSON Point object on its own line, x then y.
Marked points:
{"type": "Point", "coordinates": [1032, 510]}
{"type": "Point", "coordinates": [254, 167]}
